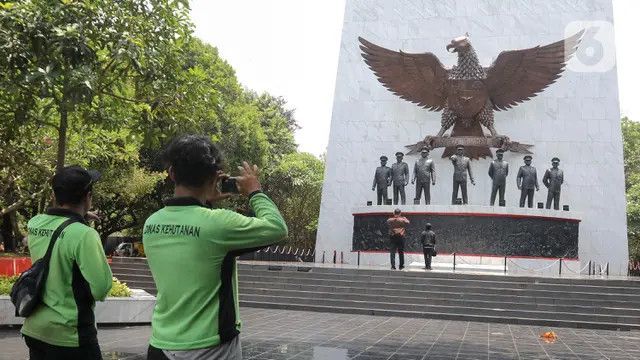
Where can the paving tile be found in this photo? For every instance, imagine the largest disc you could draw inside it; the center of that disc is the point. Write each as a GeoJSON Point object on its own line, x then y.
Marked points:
{"type": "Point", "coordinates": [270, 334]}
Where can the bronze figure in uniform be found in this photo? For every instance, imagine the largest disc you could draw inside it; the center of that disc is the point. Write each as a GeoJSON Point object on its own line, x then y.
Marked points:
{"type": "Point", "coordinates": [424, 171]}
{"type": "Point", "coordinates": [527, 181]}
{"type": "Point", "coordinates": [468, 94]}
{"type": "Point", "coordinates": [553, 179]}
{"type": "Point", "coordinates": [461, 165]}
{"type": "Point", "coordinates": [498, 171]}
{"type": "Point", "coordinates": [400, 179]}
{"type": "Point", "coordinates": [382, 180]}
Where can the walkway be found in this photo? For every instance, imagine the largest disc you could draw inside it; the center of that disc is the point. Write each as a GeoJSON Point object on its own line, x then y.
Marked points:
{"type": "Point", "coordinates": [299, 335]}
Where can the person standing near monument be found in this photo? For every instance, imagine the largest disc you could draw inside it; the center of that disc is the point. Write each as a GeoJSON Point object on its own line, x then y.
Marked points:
{"type": "Point", "coordinates": [498, 171]}
{"type": "Point", "coordinates": [192, 249]}
{"type": "Point", "coordinates": [400, 179]}
{"type": "Point", "coordinates": [382, 180]}
{"type": "Point", "coordinates": [461, 165]}
{"type": "Point", "coordinates": [397, 231]}
{"type": "Point", "coordinates": [424, 171]}
{"type": "Point", "coordinates": [428, 240]}
{"type": "Point", "coordinates": [527, 181]}
{"type": "Point", "coordinates": [553, 179]}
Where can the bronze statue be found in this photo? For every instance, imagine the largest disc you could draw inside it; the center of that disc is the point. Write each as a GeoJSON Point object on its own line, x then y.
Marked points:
{"type": "Point", "coordinates": [468, 93]}
{"type": "Point", "coordinates": [553, 179]}
{"type": "Point", "coordinates": [461, 165]}
{"type": "Point", "coordinates": [382, 180]}
{"type": "Point", "coordinates": [400, 178]}
{"type": "Point", "coordinates": [498, 171]}
{"type": "Point", "coordinates": [424, 171]}
{"type": "Point", "coordinates": [527, 180]}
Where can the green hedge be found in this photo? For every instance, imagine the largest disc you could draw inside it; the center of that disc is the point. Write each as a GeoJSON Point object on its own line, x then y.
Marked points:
{"type": "Point", "coordinates": [119, 289]}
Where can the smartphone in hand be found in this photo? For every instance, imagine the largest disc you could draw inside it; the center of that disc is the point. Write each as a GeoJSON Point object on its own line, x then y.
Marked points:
{"type": "Point", "coordinates": [229, 185]}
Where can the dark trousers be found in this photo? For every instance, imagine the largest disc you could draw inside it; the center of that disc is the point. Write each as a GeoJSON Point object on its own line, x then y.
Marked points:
{"type": "Point", "coordinates": [155, 354]}
{"type": "Point", "coordinates": [39, 350]}
{"type": "Point", "coordinates": [426, 186]}
{"type": "Point", "coordinates": [382, 195]}
{"type": "Point", "coordinates": [497, 188]}
{"type": "Point", "coordinates": [397, 245]}
{"type": "Point", "coordinates": [463, 187]}
{"type": "Point", "coordinates": [427, 256]}
{"type": "Point", "coordinates": [555, 197]}
{"type": "Point", "coordinates": [399, 189]}
{"type": "Point", "coordinates": [528, 195]}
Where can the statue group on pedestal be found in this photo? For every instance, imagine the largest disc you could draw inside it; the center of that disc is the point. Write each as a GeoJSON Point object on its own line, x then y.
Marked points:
{"type": "Point", "coordinates": [424, 175]}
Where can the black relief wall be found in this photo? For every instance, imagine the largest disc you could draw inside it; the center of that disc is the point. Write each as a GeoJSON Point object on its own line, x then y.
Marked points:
{"type": "Point", "coordinates": [469, 234]}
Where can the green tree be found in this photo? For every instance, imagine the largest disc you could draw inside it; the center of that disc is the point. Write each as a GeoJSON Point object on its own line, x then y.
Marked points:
{"type": "Point", "coordinates": [295, 185]}
{"type": "Point", "coordinates": [63, 54]}
{"type": "Point", "coordinates": [631, 137]}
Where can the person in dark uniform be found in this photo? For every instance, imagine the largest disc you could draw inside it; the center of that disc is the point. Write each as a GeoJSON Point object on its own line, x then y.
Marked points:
{"type": "Point", "coordinates": [382, 180]}
{"type": "Point", "coordinates": [498, 171]}
{"type": "Point", "coordinates": [424, 171]}
{"type": "Point", "coordinates": [400, 171]}
{"type": "Point", "coordinates": [527, 180]}
{"type": "Point", "coordinates": [553, 179]}
{"type": "Point", "coordinates": [428, 240]}
{"type": "Point", "coordinates": [397, 232]}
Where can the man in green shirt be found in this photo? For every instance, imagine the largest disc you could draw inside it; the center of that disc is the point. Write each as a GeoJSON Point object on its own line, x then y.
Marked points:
{"type": "Point", "coordinates": [63, 325]}
{"type": "Point", "coordinates": [191, 249]}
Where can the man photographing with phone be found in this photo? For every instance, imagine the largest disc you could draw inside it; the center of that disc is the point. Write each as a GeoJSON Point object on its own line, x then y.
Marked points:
{"type": "Point", "coordinates": [191, 250]}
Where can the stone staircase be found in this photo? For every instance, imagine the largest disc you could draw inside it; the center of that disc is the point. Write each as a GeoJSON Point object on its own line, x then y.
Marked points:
{"type": "Point", "coordinates": [564, 302]}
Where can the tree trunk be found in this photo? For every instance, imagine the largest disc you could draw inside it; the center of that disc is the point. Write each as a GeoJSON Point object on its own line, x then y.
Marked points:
{"type": "Point", "coordinates": [62, 136]}
{"type": "Point", "coordinates": [6, 230]}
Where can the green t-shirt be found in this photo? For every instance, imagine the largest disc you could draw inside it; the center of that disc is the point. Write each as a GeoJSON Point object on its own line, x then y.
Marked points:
{"type": "Point", "coordinates": [78, 275]}
{"type": "Point", "coordinates": [191, 251]}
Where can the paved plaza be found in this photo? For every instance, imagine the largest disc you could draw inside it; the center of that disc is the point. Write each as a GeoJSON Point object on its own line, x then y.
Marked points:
{"type": "Point", "coordinates": [299, 335]}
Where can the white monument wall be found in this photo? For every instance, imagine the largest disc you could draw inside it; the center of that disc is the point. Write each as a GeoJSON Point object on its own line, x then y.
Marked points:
{"type": "Point", "coordinates": [576, 119]}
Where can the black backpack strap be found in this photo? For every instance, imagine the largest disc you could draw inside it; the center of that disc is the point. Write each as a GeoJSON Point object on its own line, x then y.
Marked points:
{"type": "Point", "coordinates": [54, 238]}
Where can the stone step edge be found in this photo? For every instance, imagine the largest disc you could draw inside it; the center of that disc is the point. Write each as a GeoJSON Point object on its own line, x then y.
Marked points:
{"type": "Point", "coordinates": [353, 303]}
{"type": "Point", "coordinates": [444, 316]}
{"type": "Point", "coordinates": [298, 275]}
{"type": "Point", "coordinates": [471, 276]}
{"type": "Point", "coordinates": [382, 285]}
{"type": "Point", "coordinates": [511, 305]}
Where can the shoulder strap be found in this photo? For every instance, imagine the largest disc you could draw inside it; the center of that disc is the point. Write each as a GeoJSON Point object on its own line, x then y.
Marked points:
{"type": "Point", "coordinates": [54, 238]}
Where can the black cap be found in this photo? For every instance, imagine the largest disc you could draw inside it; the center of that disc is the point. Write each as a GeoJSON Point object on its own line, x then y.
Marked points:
{"type": "Point", "coordinates": [528, 157]}
{"type": "Point", "coordinates": [424, 149]}
{"type": "Point", "coordinates": [499, 151]}
{"type": "Point", "coordinates": [459, 146]}
{"type": "Point", "coordinates": [74, 180]}
{"type": "Point", "coordinates": [555, 159]}
{"type": "Point", "coordinates": [399, 153]}
{"type": "Point", "coordinates": [384, 157]}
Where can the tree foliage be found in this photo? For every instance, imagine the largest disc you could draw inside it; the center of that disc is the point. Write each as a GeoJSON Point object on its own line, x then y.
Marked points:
{"type": "Point", "coordinates": [106, 85]}
{"type": "Point", "coordinates": [631, 136]}
{"type": "Point", "coordinates": [296, 186]}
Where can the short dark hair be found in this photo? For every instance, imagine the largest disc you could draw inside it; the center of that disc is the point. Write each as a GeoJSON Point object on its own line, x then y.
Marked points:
{"type": "Point", "coordinates": [396, 211]}
{"type": "Point", "coordinates": [194, 159]}
{"type": "Point", "coordinates": [72, 183]}
{"type": "Point", "coordinates": [428, 226]}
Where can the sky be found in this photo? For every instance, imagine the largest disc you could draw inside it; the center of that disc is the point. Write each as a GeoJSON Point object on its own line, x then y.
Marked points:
{"type": "Point", "coordinates": [290, 48]}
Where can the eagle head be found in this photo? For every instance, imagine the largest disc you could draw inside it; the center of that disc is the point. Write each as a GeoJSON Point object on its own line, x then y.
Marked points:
{"type": "Point", "coordinates": [459, 44]}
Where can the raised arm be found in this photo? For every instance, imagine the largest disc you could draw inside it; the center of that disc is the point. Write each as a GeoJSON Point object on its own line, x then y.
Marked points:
{"type": "Point", "coordinates": [89, 255]}
{"type": "Point", "coordinates": [243, 232]}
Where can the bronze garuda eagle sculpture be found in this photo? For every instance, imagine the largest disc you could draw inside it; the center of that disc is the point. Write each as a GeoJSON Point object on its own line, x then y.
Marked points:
{"type": "Point", "coordinates": [468, 93]}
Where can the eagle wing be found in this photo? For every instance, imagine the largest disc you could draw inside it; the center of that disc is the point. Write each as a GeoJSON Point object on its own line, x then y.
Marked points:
{"type": "Point", "coordinates": [518, 75]}
{"type": "Point", "coordinates": [419, 78]}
